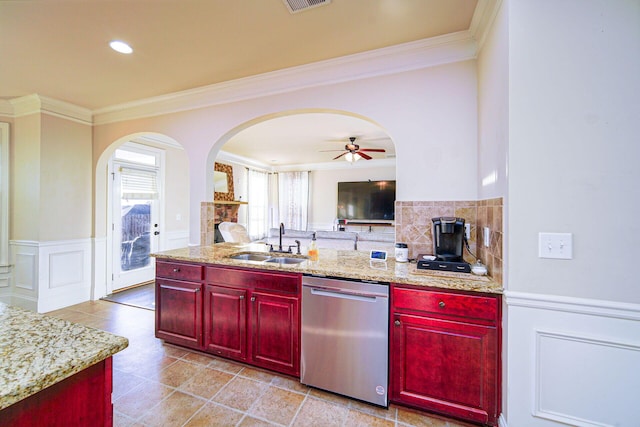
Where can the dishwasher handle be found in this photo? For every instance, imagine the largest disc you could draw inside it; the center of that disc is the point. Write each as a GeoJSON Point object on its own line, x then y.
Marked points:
{"type": "Point", "coordinates": [344, 295]}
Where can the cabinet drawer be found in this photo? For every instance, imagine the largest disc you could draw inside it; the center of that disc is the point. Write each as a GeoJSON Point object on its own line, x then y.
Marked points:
{"type": "Point", "coordinates": [174, 270]}
{"type": "Point", "coordinates": [253, 279]}
{"type": "Point", "coordinates": [446, 303]}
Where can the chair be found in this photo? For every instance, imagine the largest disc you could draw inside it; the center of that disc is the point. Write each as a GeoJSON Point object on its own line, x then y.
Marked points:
{"type": "Point", "coordinates": [233, 232]}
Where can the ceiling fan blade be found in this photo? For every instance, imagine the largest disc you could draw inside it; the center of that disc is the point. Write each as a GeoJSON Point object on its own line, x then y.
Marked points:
{"type": "Point", "coordinates": [374, 150]}
{"type": "Point", "coordinates": [328, 151]}
{"type": "Point", "coordinates": [335, 158]}
{"type": "Point", "coordinates": [364, 156]}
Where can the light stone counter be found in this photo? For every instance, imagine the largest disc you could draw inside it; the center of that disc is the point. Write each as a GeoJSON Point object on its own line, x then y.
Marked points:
{"type": "Point", "coordinates": [336, 263]}
{"type": "Point", "coordinates": [37, 351]}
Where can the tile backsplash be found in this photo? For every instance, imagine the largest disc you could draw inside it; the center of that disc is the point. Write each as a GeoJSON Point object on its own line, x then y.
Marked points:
{"type": "Point", "coordinates": [414, 227]}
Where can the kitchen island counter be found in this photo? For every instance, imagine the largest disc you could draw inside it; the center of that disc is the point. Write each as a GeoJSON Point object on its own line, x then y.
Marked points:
{"type": "Point", "coordinates": [348, 264]}
{"type": "Point", "coordinates": [39, 351]}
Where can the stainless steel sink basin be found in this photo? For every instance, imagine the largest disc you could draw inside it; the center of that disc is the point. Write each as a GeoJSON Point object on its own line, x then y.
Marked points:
{"type": "Point", "coordinates": [250, 257]}
{"type": "Point", "coordinates": [286, 260]}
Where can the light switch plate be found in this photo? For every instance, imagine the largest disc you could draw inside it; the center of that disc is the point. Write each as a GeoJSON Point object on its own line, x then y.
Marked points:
{"type": "Point", "coordinates": [555, 245]}
{"type": "Point", "coordinates": [486, 237]}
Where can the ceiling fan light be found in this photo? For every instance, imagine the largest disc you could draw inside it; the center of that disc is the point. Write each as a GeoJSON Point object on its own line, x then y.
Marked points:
{"type": "Point", "coordinates": [349, 157]}
{"type": "Point", "coordinates": [356, 157]}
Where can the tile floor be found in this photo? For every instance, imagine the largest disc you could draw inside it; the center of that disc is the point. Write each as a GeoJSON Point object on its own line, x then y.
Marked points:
{"type": "Point", "coordinates": [158, 384]}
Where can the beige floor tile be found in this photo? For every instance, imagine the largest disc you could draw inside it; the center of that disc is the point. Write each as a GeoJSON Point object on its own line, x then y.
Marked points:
{"type": "Point", "coordinates": [140, 399]}
{"type": "Point", "coordinates": [361, 419]}
{"type": "Point", "coordinates": [289, 384]}
{"type": "Point", "coordinates": [225, 365]}
{"type": "Point", "coordinates": [179, 373]}
{"type": "Point", "coordinates": [419, 419]}
{"type": "Point", "coordinates": [257, 374]}
{"type": "Point", "coordinates": [124, 382]}
{"type": "Point", "coordinates": [315, 412]}
{"type": "Point", "coordinates": [206, 383]}
{"type": "Point", "coordinates": [249, 421]}
{"type": "Point", "coordinates": [331, 397]}
{"type": "Point", "coordinates": [213, 415]}
{"type": "Point", "coordinates": [199, 358]}
{"type": "Point", "coordinates": [175, 410]}
{"type": "Point", "coordinates": [240, 393]}
{"type": "Point", "coordinates": [389, 414]}
{"type": "Point", "coordinates": [277, 405]}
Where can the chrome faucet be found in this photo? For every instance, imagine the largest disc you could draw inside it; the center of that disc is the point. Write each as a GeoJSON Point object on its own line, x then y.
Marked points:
{"type": "Point", "coordinates": [281, 233]}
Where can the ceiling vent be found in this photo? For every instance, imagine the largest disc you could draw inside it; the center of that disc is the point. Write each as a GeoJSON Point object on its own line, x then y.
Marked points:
{"type": "Point", "coordinates": [296, 6]}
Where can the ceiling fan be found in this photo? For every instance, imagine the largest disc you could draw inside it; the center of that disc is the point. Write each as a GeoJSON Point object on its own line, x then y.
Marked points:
{"type": "Point", "coordinates": [353, 152]}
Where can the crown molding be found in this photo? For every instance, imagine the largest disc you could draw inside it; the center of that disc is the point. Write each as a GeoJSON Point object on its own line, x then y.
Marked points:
{"type": "Point", "coordinates": [483, 17]}
{"type": "Point", "coordinates": [425, 53]}
{"type": "Point", "coordinates": [6, 109]}
{"type": "Point", "coordinates": [38, 104]}
{"type": "Point", "coordinates": [158, 140]}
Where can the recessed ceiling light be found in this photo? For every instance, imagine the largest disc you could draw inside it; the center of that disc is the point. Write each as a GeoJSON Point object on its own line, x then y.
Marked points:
{"type": "Point", "coordinates": [120, 46]}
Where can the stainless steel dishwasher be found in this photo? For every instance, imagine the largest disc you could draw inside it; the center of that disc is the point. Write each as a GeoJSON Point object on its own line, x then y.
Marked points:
{"type": "Point", "coordinates": [345, 337]}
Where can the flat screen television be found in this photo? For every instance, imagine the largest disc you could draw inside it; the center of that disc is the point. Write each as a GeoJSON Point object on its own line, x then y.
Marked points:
{"type": "Point", "coordinates": [367, 200]}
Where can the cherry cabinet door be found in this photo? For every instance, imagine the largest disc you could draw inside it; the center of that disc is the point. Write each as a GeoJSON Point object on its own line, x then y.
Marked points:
{"type": "Point", "coordinates": [275, 332]}
{"type": "Point", "coordinates": [225, 321]}
{"type": "Point", "coordinates": [445, 366]}
{"type": "Point", "coordinates": [179, 312]}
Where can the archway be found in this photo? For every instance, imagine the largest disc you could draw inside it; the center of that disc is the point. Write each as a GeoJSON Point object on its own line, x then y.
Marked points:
{"type": "Point", "coordinates": [316, 130]}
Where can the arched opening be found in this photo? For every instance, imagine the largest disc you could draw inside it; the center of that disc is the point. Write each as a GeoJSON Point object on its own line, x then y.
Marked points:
{"type": "Point", "coordinates": [313, 140]}
{"type": "Point", "coordinates": [130, 224]}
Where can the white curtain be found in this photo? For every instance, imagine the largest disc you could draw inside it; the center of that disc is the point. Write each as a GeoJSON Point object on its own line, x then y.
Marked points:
{"type": "Point", "coordinates": [293, 196]}
{"type": "Point", "coordinates": [258, 207]}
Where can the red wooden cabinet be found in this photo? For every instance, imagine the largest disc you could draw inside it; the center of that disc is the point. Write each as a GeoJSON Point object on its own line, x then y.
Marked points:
{"type": "Point", "coordinates": [225, 314]}
{"type": "Point", "coordinates": [83, 399]}
{"type": "Point", "coordinates": [254, 317]}
{"type": "Point", "coordinates": [442, 359]}
{"type": "Point", "coordinates": [179, 304]}
{"type": "Point", "coordinates": [275, 336]}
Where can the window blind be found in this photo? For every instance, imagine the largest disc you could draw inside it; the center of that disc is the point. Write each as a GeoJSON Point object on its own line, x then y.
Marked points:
{"type": "Point", "coordinates": [138, 184]}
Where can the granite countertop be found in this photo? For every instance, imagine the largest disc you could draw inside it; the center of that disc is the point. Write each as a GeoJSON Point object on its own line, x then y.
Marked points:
{"type": "Point", "coordinates": [338, 263]}
{"type": "Point", "coordinates": [37, 351]}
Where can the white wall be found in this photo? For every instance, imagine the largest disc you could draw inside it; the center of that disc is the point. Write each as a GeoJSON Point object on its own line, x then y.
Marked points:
{"type": "Point", "coordinates": [574, 115]}
{"type": "Point", "coordinates": [573, 145]}
{"type": "Point", "coordinates": [430, 113]}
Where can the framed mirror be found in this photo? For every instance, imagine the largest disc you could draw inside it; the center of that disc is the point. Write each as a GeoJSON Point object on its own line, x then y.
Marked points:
{"type": "Point", "coordinates": [223, 182]}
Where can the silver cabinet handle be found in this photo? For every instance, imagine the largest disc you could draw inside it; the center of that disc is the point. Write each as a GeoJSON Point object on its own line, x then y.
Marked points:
{"type": "Point", "coordinates": [253, 299]}
{"type": "Point", "coordinates": [397, 323]}
{"type": "Point", "coordinates": [441, 304]}
{"type": "Point", "coordinates": [176, 270]}
{"type": "Point", "coordinates": [241, 297]}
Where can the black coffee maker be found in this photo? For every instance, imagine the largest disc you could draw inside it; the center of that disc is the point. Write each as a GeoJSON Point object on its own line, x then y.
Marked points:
{"type": "Point", "coordinates": [448, 244]}
{"type": "Point", "coordinates": [448, 238]}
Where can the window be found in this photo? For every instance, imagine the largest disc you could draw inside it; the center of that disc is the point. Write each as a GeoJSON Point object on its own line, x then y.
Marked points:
{"type": "Point", "coordinates": [293, 196]}
{"type": "Point", "coordinates": [258, 208]}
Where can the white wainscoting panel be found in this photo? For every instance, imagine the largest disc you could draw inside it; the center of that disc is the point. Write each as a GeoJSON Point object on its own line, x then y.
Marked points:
{"type": "Point", "coordinates": [24, 282]}
{"type": "Point", "coordinates": [64, 273]}
{"type": "Point", "coordinates": [572, 362]}
{"type": "Point", "coordinates": [66, 268]}
{"type": "Point", "coordinates": [564, 382]}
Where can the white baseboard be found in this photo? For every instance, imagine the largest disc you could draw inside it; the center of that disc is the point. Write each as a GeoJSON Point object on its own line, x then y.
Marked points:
{"type": "Point", "coordinates": [571, 361]}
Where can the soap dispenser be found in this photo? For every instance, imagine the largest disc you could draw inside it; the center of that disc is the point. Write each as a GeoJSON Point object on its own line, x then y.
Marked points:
{"type": "Point", "coordinates": [313, 249]}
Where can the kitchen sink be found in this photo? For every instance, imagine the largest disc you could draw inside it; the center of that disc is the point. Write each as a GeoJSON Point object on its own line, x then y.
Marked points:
{"type": "Point", "coordinates": [262, 257]}
{"type": "Point", "coordinates": [286, 260]}
{"type": "Point", "coordinates": [250, 257]}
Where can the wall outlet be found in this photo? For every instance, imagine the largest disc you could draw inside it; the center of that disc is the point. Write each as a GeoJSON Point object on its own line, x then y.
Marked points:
{"type": "Point", "coordinates": [486, 236]}
{"type": "Point", "coordinates": [467, 231]}
{"type": "Point", "coordinates": [555, 245]}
